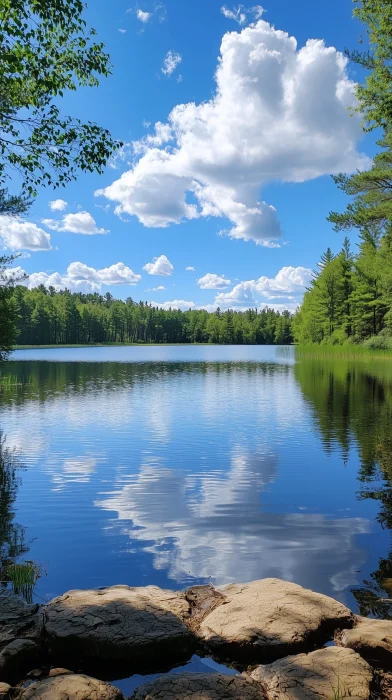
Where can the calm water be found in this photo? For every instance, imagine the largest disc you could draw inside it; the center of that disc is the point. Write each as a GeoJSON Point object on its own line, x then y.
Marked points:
{"type": "Point", "coordinates": [183, 465]}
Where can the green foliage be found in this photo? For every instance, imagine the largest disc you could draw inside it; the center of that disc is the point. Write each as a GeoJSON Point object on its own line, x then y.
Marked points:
{"type": "Point", "coordinates": [12, 205]}
{"type": "Point", "coordinates": [46, 317]}
{"type": "Point", "coordinates": [350, 297]}
{"type": "Point", "coordinates": [379, 342]}
{"type": "Point", "coordinates": [371, 209]}
{"type": "Point", "coordinates": [47, 49]}
{"type": "Point", "coordinates": [375, 96]}
{"type": "Point", "coordinates": [7, 317]}
{"type": "Point", "coordinates": [23, 578]}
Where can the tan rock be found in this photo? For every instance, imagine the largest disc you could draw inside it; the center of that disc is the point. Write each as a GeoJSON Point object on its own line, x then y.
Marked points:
{"type": "Point", "coordinates": [132, 625]}
{"type": "Point", "coordinates": [326, 673]}
{"type": "Point", "coordinates": [199, 686]}
{"type": "Point", "coordinates": [4, 691]}
{"type": "Point", "coordinates": [74, 687]}
{"type": "Point", "coordinates": [370, 638]}
{"type": "Point", "coordinates": [59, 672]}
{"type": "Point", "coordinates": [268, 619]}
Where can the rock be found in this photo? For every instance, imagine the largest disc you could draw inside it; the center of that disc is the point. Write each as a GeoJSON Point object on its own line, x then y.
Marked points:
{"type": "Point", "coordinates": [59, 672]}
{"type": "Point", "coordinates": [4, 691]}
{"type": "Point", "coordinates": [21, 630]}
{"type": "Point", "coordinates": [268, 619]}
{"type": "Point", "coordinates": [18, 619]}
{"type": "Point", "coordinates": [17, 657]}
{"type": "Point", "coordinates": [138, 626]}
{"type": "Point", "coordinates": [199, 686]}
{"type": "Point", "coordinates": [370, 638]}
{"type": "Point", "coordinates": [326, 673]}
{"type": "Point", "coordinates": [73, 687]}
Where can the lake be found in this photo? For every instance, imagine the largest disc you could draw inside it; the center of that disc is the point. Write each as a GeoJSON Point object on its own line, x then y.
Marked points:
{"type": "Point", "coordinates": [181, 465]}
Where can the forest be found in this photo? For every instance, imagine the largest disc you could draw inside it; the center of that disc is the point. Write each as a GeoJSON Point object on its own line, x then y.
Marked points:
{"type": "Point", "coordinates": [46, 317]}
{"type": "Point", "coordinates": [350, 297]}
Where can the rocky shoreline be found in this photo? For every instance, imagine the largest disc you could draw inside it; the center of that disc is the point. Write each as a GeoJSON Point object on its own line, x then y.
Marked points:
{"type": "Point", "coordinates": [273, 632]}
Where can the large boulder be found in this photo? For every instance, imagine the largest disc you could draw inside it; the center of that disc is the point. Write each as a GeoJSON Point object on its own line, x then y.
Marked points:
{"type": "Point", "coordinates": [370, 638]}
{"type": "Point", "coordinates": [324, 674]}
{"type": "Point", "coordinates": [21, 630]}
{"type": "Point", "coordinates": [136, 626]}
{"type": "Point", "coordinates": [74, 687]}
{"type": "Point", "coordinates": [199, 686]}
{"type": "Point", "coordinates": [268, 619]}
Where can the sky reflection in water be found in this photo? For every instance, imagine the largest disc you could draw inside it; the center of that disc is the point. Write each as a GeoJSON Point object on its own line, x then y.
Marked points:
{"type": "Point", "coordinates": [180, 472]}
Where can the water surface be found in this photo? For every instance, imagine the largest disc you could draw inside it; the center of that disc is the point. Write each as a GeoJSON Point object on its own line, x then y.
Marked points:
{"type": "Point", "coordinates": [180, 465]}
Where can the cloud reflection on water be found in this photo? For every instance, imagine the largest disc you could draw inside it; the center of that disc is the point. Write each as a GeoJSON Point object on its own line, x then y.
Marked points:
{"type": "Point", "coordinates": [212, 525]}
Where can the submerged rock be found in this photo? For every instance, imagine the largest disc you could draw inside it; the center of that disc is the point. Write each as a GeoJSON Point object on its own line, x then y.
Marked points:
{"type": "Point", "coordinates": [323, 674]}
{"type": "Point", "coordinates": [199, 686]}
{"type": "Point", "coordinates": [268, 619]}
{"type": "Point", "coordinates": [21, 630]}
{"type": "Point", "coordinates": [370, 638]}
{"type": "Point", "coordinates": [69, 687]}
{"type": "Point", "coordinates": [132, 625]}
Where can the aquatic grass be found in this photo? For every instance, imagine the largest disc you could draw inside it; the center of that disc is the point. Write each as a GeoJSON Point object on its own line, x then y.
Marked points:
{"type": "Point", "coordinates": [9, 381]}
{"type": "Point", "coordinates": [341, 352]}
{"type": "Point", "coordinates": [23, 578]}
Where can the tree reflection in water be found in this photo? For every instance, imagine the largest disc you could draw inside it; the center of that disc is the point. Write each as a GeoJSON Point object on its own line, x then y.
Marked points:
{"type": "Point", "coordinates": [352, 404]}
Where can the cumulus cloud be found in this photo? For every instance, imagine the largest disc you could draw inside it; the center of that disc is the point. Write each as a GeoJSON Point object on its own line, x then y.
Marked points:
{"type": "Point", "coordinates": [58, 205]}
{"type": "Point", "coordinates": [157, 289]}
{"type": "Point", "coordinates": [170, 63]}
{"type": "Point", "coordinates": [143, 16]}
{"type": "Point", "coordinates": [178, 304]}
{"type": "Point", "coordinates": [287, 286]}
{"type": "Point", "coordinates": [279, 113]}
{"type": "Point", "coordinates": [80, 222]}
{"type": "Point", "coordinates": [82, 278]}
{"type": "Point", "coordinates": [282, 292]}
{"type": "Point", "coordinates": [211, 281]}
{"type": "Point", "coordinates": [17, 234]}
{"type": "Point", "coordinates": [159, 266]}
{"type": "Point", "coordinates": [190, 268]}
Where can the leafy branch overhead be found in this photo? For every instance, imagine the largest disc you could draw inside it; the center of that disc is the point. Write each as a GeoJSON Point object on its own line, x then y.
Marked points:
{"type": "Point", "coordinates": [47, 49]}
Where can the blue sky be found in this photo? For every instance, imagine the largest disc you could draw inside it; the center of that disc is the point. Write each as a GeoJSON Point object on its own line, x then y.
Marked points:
{"type": "Point", "coordinates": [252, 157]}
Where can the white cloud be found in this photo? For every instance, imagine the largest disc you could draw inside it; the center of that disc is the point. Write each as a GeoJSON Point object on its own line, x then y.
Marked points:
{"type": "Point", "coordinates": [211, 281]}
{"type": "Point", "coordinates": [143, 16]}
{"type": "Point", "coordinates": [286, 289]}
{"type": "Point", "coordinates": [179, 304]}
{"type": "Point", "coordinates": [278, 114]}
{"type": "Point", "coordinates": [80, 222]}
{"type": "Point", "coordinates": [58, 205]}
{"type": "Point", "coordinates": [159, 266]}
{"type": "Point", "coordinates": [240, 13]}
{"type": "Point", "coordinates": [82, 278]}
{"type": "Point", "coordinates": [157, 289]}
{"type": "Point", "coordinates": [172, 60]}
{"type": "Point", "coordinates": [122, 31]}
{"type": "Point", "coordinates": [190, 269]}
{"type": "Point", "coordinates": [236, 13]}
{"type": "Point", "coordinates": [282, 292]}
{"type": "Point", "coordinates": [17, 234]}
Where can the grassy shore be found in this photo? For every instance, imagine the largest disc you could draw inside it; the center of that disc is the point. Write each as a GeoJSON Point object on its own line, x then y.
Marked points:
{"type": "Point", "coordinates": [340, 352]}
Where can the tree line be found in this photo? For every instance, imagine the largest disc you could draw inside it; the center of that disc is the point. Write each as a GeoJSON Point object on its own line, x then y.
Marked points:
{"type": "Point", "coordinates": [350, 297]}
{"type": "Point", "coordinates": [46, 317]}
